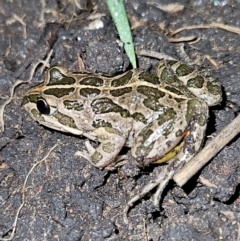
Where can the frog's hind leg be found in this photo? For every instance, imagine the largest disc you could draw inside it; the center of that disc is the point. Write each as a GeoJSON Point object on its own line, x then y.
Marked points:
{"type": "Point", "coordinates": [191, 144]}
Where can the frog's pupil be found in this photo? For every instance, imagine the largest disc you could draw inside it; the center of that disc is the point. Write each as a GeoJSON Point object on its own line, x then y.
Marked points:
{"type": "Point", "coordinates": [43, 107]}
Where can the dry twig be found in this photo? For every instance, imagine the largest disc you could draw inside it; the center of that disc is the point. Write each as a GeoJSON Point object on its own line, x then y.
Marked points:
{"type": "Point", "coordinates": [14, 226]}
{"type": "Point", "coordinates": [208, 152]}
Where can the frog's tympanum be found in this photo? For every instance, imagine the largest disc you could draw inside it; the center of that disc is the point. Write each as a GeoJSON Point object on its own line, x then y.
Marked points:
{"type": "Point", "coordinates": [160, 117]}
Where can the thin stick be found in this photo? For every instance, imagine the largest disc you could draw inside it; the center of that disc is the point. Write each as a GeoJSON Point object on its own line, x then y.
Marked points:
{"type": "Point", "coordinates": [209, 151]}
{"type": "Point", "coordinates": [153, 54]}
{"type": "Point", "coordinates": [229, 28]}
{"type": "Point", "coordinates": [17, 83]}
{"type": "Point", "coordinates": [14, 226]}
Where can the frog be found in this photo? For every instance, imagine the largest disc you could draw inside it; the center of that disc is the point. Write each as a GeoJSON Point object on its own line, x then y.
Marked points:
{"type": "Point", "coordinates": [160, 117]}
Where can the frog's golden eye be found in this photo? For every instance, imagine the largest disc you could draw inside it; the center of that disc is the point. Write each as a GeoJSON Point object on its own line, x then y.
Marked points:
{"type": "Point", "coordinates": [43, 107]}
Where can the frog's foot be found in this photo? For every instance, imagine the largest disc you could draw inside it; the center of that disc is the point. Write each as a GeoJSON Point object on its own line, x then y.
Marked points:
{"type": "Point", "coordinates": [111, 143]}
{"type": "Point", "coordinates": [87, 154]}
{"type": "Point", "coordinates": [162, 179]}
{"type": "Point", "coordinates": [119, 161]}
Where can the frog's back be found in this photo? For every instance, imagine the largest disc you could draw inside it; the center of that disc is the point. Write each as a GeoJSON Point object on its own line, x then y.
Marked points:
{"type": "Point", "coordinates": [128, 102]}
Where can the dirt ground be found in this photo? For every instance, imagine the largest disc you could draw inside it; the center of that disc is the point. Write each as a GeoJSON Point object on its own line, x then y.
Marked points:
{"type": "Point", "coordinates": [66, 198]}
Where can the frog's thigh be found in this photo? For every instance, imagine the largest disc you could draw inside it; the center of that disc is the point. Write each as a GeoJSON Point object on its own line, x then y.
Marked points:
{"type": "Point", "coordinates": [158, 138]}
{"type": "Point", "coordinates": [197, 117]}
{"type": "Point", "coordinates": [111, 144]}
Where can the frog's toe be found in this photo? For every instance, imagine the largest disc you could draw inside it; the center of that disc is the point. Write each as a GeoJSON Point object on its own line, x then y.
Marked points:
{"type": "Point", "coordinates": [83, 154]}
{"type": "Point", "coordinates": [89, 147]}
{"type": "Point", "coordinates": [86, 154]}
{"type": "Point", "coordinates": [139, 161]}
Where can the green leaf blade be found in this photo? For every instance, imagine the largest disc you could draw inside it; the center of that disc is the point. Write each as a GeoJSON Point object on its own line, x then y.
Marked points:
{"type": "Point", "coordinates": [119, 16]}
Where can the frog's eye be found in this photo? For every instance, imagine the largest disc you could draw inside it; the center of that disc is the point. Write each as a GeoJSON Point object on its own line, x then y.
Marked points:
{"type": "Point", "coordinates": [43, 107]}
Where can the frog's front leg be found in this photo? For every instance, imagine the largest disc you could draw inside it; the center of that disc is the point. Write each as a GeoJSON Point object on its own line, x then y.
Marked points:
{"type": "Point", "coordinates": [196, 117]}
{"type": "Point", "coordinates": [111, 143]}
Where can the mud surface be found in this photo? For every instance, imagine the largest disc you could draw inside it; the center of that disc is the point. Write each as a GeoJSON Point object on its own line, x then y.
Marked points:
{"type": "Point", "coordinates": [66, 197]}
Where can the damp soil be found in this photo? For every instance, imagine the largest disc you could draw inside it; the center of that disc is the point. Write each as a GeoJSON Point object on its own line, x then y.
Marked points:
{"type": "Point", "coordinates": [67, 198]}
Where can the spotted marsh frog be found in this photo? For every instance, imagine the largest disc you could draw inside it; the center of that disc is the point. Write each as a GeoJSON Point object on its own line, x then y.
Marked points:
{"type": "Point", "coordinates": [159, 117]}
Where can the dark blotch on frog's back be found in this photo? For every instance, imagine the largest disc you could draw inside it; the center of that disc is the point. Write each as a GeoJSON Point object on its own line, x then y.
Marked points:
{"type": "Point", "coordinates": [121, 91]}
{"type": "Point", "coordinates": [106, 105]}
{"type": "Point", "coordinates": [59, 92]}
{"type": "Point", "coordinates": [174, 90]}
{"type": "Point", "coordinates": [89, 92]}
{"type": "Point", "coordinates": [145, 76]}
{"type": "Point", "coordinates": [214, 88]}
{"type": "Point", "coordinates": [153, 104]}
{"type": "Point", "coordinates": [153, 95]}
{"type": "Point", "coordinates": [168, 76]}
{"type": "Point", "coordinates": [57, 78]}
{"type": "Point", "coordinates": [196, 82]}
{"type": "Point", "coordinates": [122, 80]}
{"type": "Point", "coordinates": [92, 81]}
{"type": "Point", "coordinates": [184, 70]}
{"type": "Point", "coordinates": [139, 117]}
{"type": "Point", "coordinates": [150, 92]}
